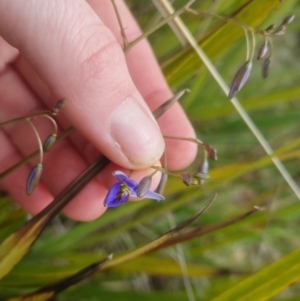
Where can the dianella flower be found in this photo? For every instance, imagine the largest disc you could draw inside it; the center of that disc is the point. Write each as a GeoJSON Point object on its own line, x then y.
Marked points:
{"type": "Point", "coordinates": [125, 188]}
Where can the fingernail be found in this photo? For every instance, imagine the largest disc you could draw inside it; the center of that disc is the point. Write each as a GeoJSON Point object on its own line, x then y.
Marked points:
{"type": "Point", "coordinates": [136, 133]}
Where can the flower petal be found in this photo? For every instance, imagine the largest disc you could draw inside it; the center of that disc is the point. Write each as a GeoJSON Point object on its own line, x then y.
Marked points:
{"type": "Point", "coordinates": [122, 177]}
{"type": "Point", "coordinates": [154, 196]}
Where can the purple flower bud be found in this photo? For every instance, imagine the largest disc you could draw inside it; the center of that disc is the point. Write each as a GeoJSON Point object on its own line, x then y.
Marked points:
{"type": "Point", "coordinates": [144, 186]}
{"type": "Point", "coordinates": [203, 167]}
{"type": "Point", "coordinates": [59, 105]}
{"type": "Point", "coordinates": [49, 142]}
{"type": "Point", "coordinates": [270, 28]}
{"type": "Point", "coordinates": [162, 183]}
{"type": "Point", "coordinates": [280, 30]}
{"type": "Point", "coordinates": [262, 51]}
{"type": "Point", "coordinates": [266, 67]}
{"type": "Point", "coordinates": [212, 153]}
{"type": "Point", "coordinates": [188, 179]}
{"type": "Point", "coordinates": [288, 20]}
{"type": "Point", "coordinates": [33, 178]}
{"type": "Point", "coordinates": [240, 78]}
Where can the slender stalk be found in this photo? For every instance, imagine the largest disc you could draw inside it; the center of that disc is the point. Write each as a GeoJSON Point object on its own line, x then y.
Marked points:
{"type": "Point", "coordinates": [253, 46]}
{"type": "Point", "coordinates": [125, 41]}
{"type": "Point", "coordinates": [225, 19]}
{"type": "Point", "coordinates": [28, 117]}
{"type": "Point", "coordinates": [156, 27]}
{"type": "Point", "coordinates": [38, 140]}
{"type": "Point", "coordinates": [248, 45]}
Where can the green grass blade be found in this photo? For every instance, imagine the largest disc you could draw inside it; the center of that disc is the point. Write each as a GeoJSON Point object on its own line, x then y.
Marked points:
{"type": "Point", "coordinates": [268, 282]}
{"type": "Point", "coordinates": [16, 246]}
{"type": "Point", "coordinates": [186, 63]}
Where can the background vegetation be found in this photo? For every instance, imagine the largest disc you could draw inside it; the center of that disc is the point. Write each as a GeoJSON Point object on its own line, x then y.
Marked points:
{"type": "Point", "coordinates": [256, 257]}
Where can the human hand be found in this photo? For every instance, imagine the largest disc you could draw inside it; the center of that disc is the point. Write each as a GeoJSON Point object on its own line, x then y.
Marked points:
{"type": "Point", "coordinates": [73, 49]}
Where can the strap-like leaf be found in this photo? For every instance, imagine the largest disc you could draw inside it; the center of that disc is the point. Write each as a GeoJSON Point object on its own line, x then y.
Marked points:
{"type": "Point", "coordinates": [16, 246]}
{"type": "Point", "coordinates": [268, 282]}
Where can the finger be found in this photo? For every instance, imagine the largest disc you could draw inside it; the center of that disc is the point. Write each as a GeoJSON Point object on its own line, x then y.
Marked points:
{"type": "Point", "coordinates": [60, 166]}
{"type": "Point", "coordinates": [7, 54]}
{"type": "Point", "coordinates": [150, 81]}
{"type": "Point", "coordinates": [86, 65]}
{"type": "Point", "coordinates": [148, 78]}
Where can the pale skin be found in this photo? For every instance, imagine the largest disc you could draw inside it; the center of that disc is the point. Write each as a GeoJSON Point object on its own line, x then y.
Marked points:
{"type": "Point", "coordinates": [73, 49]}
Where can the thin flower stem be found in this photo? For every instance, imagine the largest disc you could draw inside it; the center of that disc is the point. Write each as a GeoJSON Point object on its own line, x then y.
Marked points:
{"type": "Point", "coordinates": [253, 46]}
{"type": "Point", "coordinates": [19, 119]}
{"type": "Point", "coordinates": [53, 122]}
{"type": "Point", "coordinates": [156, 27]}
{"type": "Point", "coordinates": [244, 115]}
{"type": "Point", "coordinates": [29, 117]}
{"type": "Point", "coordinates": [248, 45]}
{"type": "Point", "coordinates": [162, 170]}
{"type": "Point", "coordinates": [212, 153]}
{"type": "Point", "coordinates": [38, 140]}
{"type": "Point", "coordinates": [125, 41]}
{"type": "Point", "coordinates": [225, 19]}
{"type": "Point", "coordinates": [271, 46]}
{"type": "Point", "coordinates": [163, 10]}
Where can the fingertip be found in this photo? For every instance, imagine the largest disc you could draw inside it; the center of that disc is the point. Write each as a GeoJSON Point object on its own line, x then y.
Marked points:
{"type": "Point", "coordinates": [137, 134]}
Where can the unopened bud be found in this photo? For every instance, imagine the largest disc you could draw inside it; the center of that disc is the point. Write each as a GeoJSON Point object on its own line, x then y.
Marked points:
{"type": "Point", "coordinates": [288, 20]}
{"type": "Point", "coordinates": [240, 78]}
{"type": "Point", "coordinates": [270, 28]}
{"type": "Point", "coordinates": [33, 178]}
{"type": "Point", "coordinates": [162, 183]}
{"type": "Point", "coordinates": [203, 167]}
{"type": "Point", "coordinates": [49, 142]}
{"type": "Point", "coordinates": [266, 67]}
{"type": "Point", "coordinates": [144, 186]}
{"type": "Point", "coordinates": [262, 51]}
{"type": "Point", "coordinates": [280, 30]}
{"type": "Point", "coordinates": [59, 105]}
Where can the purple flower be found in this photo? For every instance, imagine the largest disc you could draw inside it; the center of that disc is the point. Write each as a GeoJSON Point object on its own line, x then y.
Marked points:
{"type": "Point", "coordinates": [125, 188]}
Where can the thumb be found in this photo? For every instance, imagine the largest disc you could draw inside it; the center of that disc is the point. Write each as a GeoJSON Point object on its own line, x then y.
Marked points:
{"type": "Point", "coordinates": [79, 59]}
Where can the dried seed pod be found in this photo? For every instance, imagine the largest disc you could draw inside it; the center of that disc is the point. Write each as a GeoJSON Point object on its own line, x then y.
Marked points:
{"type": "Point", "coordinates": [280, 30]}
{"type": "Point", "coordinates": [266, 67]}
{"type": "Point", "coordinates": [240, 78]}
{"type": "Point", "coordinates": [188, 179]}
{"type": "Point", "coordinates": [59, 105]}
{"type": "Point", "coordinates": [288, 20]}
{"type": "Point", "coordinates": [270, 28]}
{"type": "Point", "coordinates": [144, 186]}
{"type": "Point", "coordinates": [49, 142]}
{"type": "Point", "coordinates": [262, 51]}
{"type": "Point", "coordinates": [33, 178]}
{"type": "Point", "coordinates": [211, 152]}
